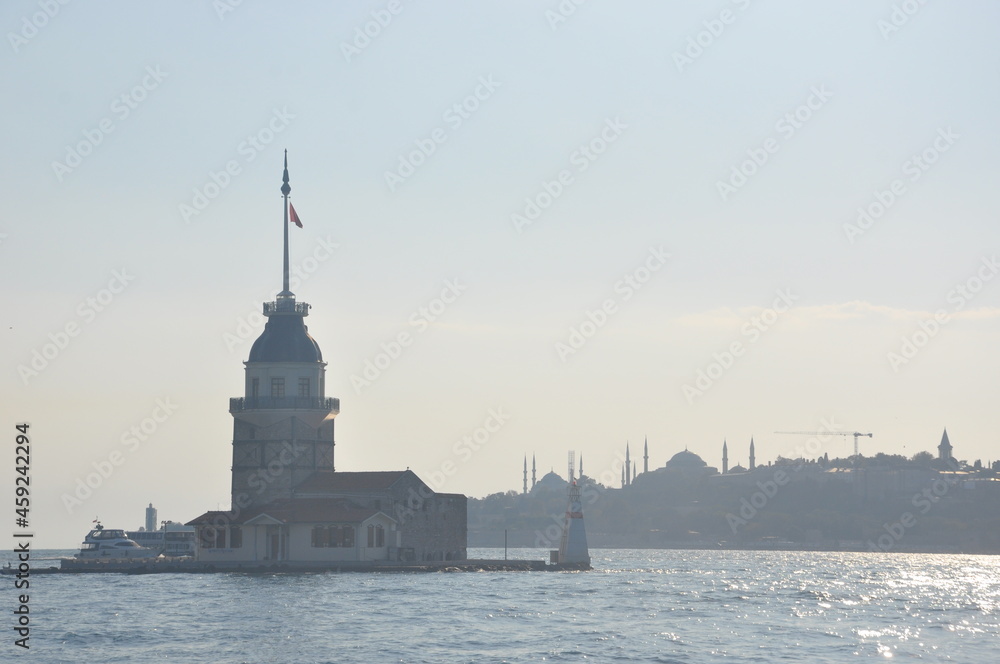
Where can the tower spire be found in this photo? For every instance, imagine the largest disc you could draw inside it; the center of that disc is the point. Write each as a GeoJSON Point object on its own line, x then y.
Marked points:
{"type": "Point", "coordinates": [285, 190]}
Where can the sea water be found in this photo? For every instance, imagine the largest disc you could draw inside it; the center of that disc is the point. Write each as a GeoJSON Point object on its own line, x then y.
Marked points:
{"type": "Point", "coordinates": [635, 606]}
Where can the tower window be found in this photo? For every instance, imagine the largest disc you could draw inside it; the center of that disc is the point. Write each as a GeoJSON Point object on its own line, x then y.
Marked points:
{"type": "Point", "coordinates": [255, 387]}
{"type": "Point", "coordinates": [303, 386]}
{"type": "Point", "coordinates": [278, 387]}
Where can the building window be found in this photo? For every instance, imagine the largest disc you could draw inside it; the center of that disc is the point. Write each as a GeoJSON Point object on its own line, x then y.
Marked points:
{"type": "Point", "coordinates": [333, 537]}
{"type": "Point", "coordinates": [303, 386]}
{"type": "Point", "coordinates": [320, 536]}
{"type": "Point", "coordinates": [235, 537]}
{"type": "Point", "coordinates": [278, 387]}
{"type": "Point", "coordinates": [376, 536]}
{"type": "Point", "coordinates": [213, 538]}
{"type": "Point", "coordinates": [254, 387]}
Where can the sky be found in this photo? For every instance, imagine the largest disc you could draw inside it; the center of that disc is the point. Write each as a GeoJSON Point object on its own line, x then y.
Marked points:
{"type": "Point", "coordinates": [528, 228]}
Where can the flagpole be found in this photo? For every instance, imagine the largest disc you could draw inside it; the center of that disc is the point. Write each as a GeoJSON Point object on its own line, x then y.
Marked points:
{"type": "Point", "coordinates": [285, 190]}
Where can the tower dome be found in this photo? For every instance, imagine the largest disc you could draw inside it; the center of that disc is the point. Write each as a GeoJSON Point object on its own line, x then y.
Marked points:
{"type": "Point", "coordinates": [285, 337]}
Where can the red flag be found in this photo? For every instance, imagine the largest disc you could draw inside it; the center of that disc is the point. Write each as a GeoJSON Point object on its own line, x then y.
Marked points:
{"type": "Point", "coordinates": [294, 218]}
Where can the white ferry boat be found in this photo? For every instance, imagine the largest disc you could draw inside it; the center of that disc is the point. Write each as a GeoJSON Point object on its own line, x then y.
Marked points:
{"type": "Point", "coordinates": [113, 544]}
{"type": "Point", "coordinates": [173, 539]}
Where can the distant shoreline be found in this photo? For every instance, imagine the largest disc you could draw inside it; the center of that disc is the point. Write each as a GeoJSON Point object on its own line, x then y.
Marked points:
{"type": "Point", "coordinates": [490, 542]}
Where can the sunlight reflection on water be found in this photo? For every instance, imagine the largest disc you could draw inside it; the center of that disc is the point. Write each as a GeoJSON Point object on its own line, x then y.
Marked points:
{"type": "Point", "coordinates": [655, 606]}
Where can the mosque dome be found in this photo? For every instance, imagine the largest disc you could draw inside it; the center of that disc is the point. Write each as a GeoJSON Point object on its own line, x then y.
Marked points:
{"type": "Point", "coordinates": [686, 461]}
{"type": "Point", "coordinates": [551, 480]}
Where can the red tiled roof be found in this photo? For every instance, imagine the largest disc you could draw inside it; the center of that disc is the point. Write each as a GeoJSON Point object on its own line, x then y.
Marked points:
{"type": "Point", "coordinates": [214, 517]}
{"type": "Point", "coordinates": [324, 481]}
{"type": "Point", "coordinates": [294, 510]}
{"type": "Point", "coordinates": [311, 510]}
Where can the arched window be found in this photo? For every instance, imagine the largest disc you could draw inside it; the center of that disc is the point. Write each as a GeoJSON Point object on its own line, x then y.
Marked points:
{"type": "Point", "coordinates": [376, 536]}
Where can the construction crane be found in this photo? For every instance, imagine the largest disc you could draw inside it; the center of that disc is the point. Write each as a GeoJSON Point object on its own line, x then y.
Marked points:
{"type": "Point", "coordinates": [856, 435]}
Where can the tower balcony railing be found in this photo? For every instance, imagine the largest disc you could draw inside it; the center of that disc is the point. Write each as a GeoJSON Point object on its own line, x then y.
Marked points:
{"type": "Point", "coordinates": [241, 404]}
{"type": "Point", "coordinates": [286, 306]}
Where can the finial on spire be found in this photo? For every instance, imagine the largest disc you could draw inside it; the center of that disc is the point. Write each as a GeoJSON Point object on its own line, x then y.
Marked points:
{"type": "Point", "coordinates": [285, 187]}
{"type": "Point", "coordinates": [285, 190]}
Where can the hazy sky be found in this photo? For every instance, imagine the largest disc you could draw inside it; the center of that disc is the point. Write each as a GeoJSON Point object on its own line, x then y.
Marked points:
{"type": "Point", "coordinates": [612, 201]}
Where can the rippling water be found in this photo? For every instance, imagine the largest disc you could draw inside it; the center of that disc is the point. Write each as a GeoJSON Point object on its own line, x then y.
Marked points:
{"type": "Point", "coordinates": [637, 606]}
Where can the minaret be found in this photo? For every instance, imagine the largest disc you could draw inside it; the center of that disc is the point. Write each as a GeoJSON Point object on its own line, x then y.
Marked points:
{"type": "Point", "coordinates": [525, 489]}
{"type": "Point", "coordinates": [283, 425]}
{"type": "Point", "coordinates": [645, 455]}
{"type": "Point", "coordinates": [532, 471]}
{"type": "Point", "coordinates": [725, 457]}
{"type": "Point", "coordinates": [628, 466]}
{"type": "Point", "coordinates": [635, 469]}
{"type": "Point", "coordinates": [753, 462]}
{"type": "Point", "coordinates": [581, 464]}
{"type": "Point", "coordinates": [944, 448]}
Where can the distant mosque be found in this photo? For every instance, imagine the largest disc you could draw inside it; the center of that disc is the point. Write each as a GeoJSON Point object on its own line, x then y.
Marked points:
{"type": "Point", "coordinates": [685, 462]}
{"type": "Point", "coordinates": [691, 465]}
